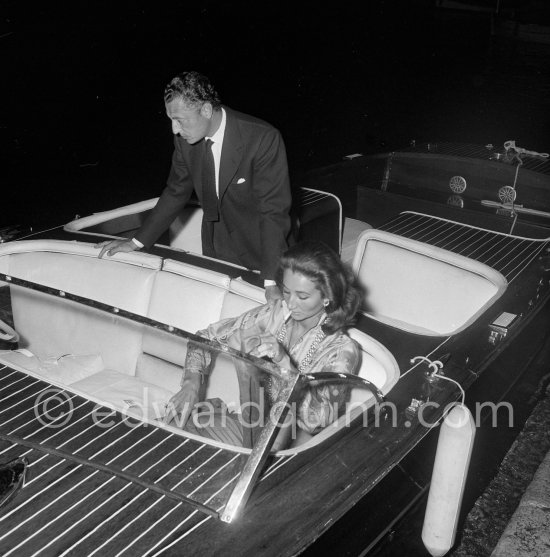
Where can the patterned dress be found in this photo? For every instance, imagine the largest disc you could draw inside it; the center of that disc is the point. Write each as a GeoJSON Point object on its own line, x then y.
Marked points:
{"type": "Point", "coordinates": [319, 405]}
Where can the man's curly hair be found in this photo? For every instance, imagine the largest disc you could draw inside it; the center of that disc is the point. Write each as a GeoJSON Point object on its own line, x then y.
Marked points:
{"type": "Point", "coordinates": [194, 89]}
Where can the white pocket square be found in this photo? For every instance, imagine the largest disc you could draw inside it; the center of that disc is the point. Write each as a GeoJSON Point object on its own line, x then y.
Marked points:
{"type": "Point", "coordinates": [241, 181]}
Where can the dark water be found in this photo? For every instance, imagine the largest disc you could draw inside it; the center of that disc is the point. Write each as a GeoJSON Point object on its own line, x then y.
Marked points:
{"type": "Point", "coordinates": [83, 126]}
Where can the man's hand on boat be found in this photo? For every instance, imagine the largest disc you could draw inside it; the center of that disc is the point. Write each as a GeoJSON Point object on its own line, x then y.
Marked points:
{"type": "Point", "coordinates": [110, 247]}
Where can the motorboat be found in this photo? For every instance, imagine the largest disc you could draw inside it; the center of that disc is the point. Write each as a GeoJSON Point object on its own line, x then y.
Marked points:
{"type": "Point", "coordinates": [456, 308]}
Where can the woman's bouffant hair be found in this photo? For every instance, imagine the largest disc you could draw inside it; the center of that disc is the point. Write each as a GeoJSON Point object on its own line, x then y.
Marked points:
{"type": "Point", "coordinates": [334, 279]}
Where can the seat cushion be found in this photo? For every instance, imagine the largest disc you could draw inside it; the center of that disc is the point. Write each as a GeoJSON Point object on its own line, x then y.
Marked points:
{"type": "Point", "coordinates": [63, 370]}
{"type": "Point", "coordinates": [126, 393]}
{"type": "Point", "coordinates": [422, 288]}
{"type": "Point", "coordinates": [52, 326]}
{"type": "Point", "coordinates": [187, 297]}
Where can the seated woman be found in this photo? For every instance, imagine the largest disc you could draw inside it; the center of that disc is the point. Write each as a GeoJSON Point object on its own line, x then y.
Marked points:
{"type": "Point", "coordinates": [304, 331]}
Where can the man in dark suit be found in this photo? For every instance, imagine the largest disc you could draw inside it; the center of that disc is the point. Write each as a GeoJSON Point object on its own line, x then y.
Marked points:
{"type": "Point", "coordinates": [238, 168]}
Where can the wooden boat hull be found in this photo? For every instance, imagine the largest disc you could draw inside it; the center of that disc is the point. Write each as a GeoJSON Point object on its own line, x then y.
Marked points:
{"type": "Point", "coordinates": [119, 513]}
{"type": "Point", "coordinates": [97, 491]}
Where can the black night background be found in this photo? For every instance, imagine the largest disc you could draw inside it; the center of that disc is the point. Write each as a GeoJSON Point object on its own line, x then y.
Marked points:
{"type": "Point", "coordinates": [83, 126]}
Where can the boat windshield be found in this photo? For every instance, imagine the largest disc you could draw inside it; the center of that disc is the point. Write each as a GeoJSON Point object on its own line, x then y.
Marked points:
{"type": "Point", "coordinates": [115, 390]}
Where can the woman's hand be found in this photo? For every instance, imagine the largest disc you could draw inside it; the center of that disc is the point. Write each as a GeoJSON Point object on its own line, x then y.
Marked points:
{"type": "Point", "coordinates": [181, 405]}
{"type": "Point", "coordinates": [268, 346]}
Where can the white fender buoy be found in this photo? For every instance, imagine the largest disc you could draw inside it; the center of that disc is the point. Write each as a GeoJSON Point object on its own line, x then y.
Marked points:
{"type": "Point", "coordinates": [454, 449]}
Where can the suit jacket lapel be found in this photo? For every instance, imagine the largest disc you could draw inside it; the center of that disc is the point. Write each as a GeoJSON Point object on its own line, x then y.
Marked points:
{"type": "Point", "coordinates": [232, 152]}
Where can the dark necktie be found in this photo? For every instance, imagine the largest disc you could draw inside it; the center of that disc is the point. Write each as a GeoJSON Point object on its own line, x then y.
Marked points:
{"type": "Point", "coordinates": [209, 196]}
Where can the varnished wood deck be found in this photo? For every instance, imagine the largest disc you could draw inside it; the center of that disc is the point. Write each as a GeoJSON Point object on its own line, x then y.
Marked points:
{"type": "Point", "coordinates": [508, 254]}
{"type": "Point", "coordinates": [99, 479]}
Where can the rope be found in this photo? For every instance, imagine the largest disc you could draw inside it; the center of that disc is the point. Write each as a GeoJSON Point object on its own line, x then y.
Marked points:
{"type": "Point", "coordinates": [436, 366]}
{"type": "Point", "coordinates": [40, 232]}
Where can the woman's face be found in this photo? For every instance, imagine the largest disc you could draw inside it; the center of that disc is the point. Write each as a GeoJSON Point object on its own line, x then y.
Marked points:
{"type": "Point", "coordinates": [303, 298]}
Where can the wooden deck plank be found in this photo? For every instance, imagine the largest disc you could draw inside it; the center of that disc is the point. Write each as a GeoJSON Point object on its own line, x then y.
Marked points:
{"type": "Point", "coordinates": [8, 450]}
{"type": "Point", "coordinates": [35, 496]}
{"type": "Point", "coordinates": [140, 526]}
{"type": "Point", "coordinates": [58, 511]}
{"type": "Point", "coordinates": [40, 423]}
{"type": "Point", "coordinates": [83, 445]}
{"type": "Point", "coordinates": [108, 438]}
{"type": "Point", "coordinates": [55, 511]}
{"type": "Point", "coordinates": [145, 448]}
{"type": "Point", "coordinates": [67, 479]}
{"type": "Point", "coordinates": [18, 388]}
{"type": "Point", "coordinates": [206, 480]}
{"type": "Point", "coordinates": [507, 254]}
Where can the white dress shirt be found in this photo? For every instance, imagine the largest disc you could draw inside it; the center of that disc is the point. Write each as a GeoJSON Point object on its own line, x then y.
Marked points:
{"type": "Point", "coordinates": [217, 142]}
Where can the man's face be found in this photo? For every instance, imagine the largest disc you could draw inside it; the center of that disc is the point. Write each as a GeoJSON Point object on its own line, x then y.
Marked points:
{"type": "Point", "coordinates": [193, 124]}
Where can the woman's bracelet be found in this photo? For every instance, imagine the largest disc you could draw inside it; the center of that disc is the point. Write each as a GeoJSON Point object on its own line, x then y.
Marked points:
{"type": "Point", "coordinates": [192, 370]}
